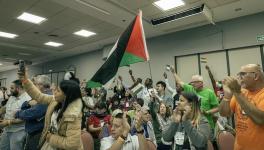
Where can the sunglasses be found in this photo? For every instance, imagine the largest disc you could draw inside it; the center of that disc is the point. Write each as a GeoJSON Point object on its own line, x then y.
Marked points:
{"type": "Point", "coordinates": [242, 74]}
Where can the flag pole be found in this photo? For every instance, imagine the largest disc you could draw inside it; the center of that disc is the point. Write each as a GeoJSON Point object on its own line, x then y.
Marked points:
{"type": "Point", "coordinates": [150, 70]}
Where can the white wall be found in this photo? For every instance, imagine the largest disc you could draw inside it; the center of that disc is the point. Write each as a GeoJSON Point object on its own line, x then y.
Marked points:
{"type": "Point", "coordinates": [239, 32]}
{"type": "Point", "coordinates": [11, 75]}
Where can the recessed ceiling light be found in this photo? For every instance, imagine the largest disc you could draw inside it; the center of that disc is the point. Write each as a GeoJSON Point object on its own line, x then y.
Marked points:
{"type": "Point", "coordinates": [31, 18]}
{"type": "Point", "coordinates": [7, 35]}
{"type": "Point", "coordinates": [1, 64]}
{"type": "Point", "coordinates": [8, 58]}
{"type": "Point", "coordinates": [168, 4]}
{"type": "Point", "coordinates": [54, 44]}
{"type": "Point", "coordinates": [24, 54]}
{"type": "Point", "coordinates": [84, 33]}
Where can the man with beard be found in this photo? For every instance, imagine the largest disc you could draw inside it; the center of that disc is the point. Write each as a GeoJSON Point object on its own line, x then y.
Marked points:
{"type": "Point", "coordinates": [145, 92]}
{"type": "Point", "coordinates": [14, 129]}
{"type": "Point", "coordinates": [33, 114]}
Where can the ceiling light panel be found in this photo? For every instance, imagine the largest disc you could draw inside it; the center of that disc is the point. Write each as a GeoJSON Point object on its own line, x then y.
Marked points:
{"type": "Point", "coordinates": [8, 35]}
{"type": "Point", "coordinates": [84, 33]}
{"type": "Point", "coordinates": [53, 44]}
{"type": "Point", "coordinates": [31, 18]}
{"type": "Point", "coordinates": [168, 4]}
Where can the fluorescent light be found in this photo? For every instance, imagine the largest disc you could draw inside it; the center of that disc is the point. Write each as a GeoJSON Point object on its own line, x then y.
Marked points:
{"type": "Point", "coordinates": [8, 58]}
{"type": "Point", "coordinates": [168, 4]}
{"type": "Point", "coordinates": [31, 18]}
{"type": "Point", "coordinates": [7, 35]}
{"type": "Point", "coordinates": [84, 33]}
{"type": "Point", "coordinates": [54, 44]}
{"type": "Point", "coordinates": [24, 54]}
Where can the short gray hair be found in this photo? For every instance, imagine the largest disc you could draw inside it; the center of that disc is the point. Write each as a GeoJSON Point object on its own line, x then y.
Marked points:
{"type": "Point", "coordinates": [44, 80]}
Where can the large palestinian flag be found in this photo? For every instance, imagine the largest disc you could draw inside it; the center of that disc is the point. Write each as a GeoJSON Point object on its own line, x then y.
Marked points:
{"type": "Point", "coordinates": [130, 48]}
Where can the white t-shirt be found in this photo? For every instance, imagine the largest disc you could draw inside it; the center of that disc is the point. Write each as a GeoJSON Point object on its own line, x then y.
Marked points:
{"type": "Point", "coordinates": [53, 122]}
{"type": "Point", "coordinates": [131, 143]}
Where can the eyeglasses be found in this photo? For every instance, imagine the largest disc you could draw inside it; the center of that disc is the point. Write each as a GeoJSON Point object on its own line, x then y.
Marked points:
{"type": "Point", "coordinates": [242, 74]}
{"type": "Point", "coordinates": [195, 82]}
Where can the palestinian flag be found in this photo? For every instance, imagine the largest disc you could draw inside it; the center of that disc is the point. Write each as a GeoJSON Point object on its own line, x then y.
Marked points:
{"type": "Point", "coordinates": [130, 48]}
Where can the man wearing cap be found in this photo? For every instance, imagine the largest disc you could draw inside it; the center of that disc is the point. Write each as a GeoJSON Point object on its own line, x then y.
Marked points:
{"type": "Point", "coordinates": [209, 101]}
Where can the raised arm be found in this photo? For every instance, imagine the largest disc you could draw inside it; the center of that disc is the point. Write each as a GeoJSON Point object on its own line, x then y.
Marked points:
{"type": "Point", "coordinates": [131, 75]}
{"type": "Point", "coordinates": [170, 89]}
{"type": "Point", "coordinates": [176, 77]}
{"type": "Point", "coordinates": [33, 91]}
{"type": "Point", "coordinates": [224, 107]}
{"type": "Point", "coordinates": [211, 77]}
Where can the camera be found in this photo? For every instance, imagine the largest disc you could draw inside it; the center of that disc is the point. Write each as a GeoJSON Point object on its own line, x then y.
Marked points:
{"type": "Point", "coordinates": [21, 65]}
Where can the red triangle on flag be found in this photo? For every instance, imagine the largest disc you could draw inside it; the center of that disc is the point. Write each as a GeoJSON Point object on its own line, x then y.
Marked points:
{"type": "Point", "coordinates": [136, 44]}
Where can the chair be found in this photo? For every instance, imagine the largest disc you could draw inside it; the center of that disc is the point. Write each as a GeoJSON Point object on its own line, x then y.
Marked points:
{"type": "Point", "coordinates": [151, 145]}
{"type": "Point", "coordinates": [87, 140]}
{"type": "Point", "coordinates": [225, 140]}
{"type": "Point", "coordinates": [210, 145]}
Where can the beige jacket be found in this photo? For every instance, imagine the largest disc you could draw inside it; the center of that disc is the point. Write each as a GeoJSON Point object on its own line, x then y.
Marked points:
{"type": "Point", "coordinates": [69, 127]}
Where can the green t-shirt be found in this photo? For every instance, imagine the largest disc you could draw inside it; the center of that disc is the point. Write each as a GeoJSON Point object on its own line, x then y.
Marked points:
{"type": "Point", "coordinates": [131, 114]}
{"type": "Point", "coordinates": [208, 100]}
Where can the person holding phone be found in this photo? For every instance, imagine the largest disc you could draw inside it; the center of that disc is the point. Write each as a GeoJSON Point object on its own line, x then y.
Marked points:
{"type": "Point", "coordinates": [62, 128]}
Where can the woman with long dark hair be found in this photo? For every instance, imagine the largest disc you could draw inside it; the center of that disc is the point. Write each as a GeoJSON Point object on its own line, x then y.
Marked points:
{"type": "Point", "coordinates": [62, 129]}
{"type": "Point", "coordinates": [189, 128]}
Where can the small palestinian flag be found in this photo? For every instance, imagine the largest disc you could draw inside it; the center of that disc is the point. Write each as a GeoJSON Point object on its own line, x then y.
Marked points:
{"type": "Point", "coordinates": [130, 48]}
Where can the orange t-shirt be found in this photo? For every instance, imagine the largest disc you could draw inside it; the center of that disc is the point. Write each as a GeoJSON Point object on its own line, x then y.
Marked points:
{"type": "Point", "coordinates": [249, 135]}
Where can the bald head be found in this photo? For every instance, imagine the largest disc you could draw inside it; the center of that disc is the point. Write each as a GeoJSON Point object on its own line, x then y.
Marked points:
{"type": "Point", "coordinates": [251, 68]}
{"type": "Point", "coordinates": [251, 77]}
{"type": "Point", "coordinates": [196, 78]}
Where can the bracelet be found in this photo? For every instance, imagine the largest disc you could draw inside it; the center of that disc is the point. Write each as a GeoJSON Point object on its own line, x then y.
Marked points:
{"type": "Point", "coordinates": [225, 99]}
{"type": "Point", "coordinates": [140, 132]}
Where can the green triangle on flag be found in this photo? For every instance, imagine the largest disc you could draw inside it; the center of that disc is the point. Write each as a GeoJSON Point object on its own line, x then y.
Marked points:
{"type": "Point", "coordinates": [130, 59]}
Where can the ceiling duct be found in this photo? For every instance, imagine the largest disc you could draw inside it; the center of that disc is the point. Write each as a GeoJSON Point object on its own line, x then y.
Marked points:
{"type": "Point", "coordinates": [190, 17]}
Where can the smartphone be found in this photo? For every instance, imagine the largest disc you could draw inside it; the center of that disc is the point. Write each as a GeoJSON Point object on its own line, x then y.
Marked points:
{"type": "Point", "coordinates": [21, 66]}
{"type": "Point", "coordinates": [168, 67]}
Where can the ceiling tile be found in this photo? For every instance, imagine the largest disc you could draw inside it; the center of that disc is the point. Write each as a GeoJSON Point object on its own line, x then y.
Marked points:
{"type": "Point", "coordinates": [46, 8]}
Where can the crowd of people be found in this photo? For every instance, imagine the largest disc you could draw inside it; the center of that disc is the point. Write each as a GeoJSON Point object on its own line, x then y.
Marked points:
{"type": "Point", "coordinates": [36, 115]}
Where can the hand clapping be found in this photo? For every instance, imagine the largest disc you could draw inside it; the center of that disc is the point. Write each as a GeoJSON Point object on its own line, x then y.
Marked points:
{"type": "Point", "coordinates": [232, 84]}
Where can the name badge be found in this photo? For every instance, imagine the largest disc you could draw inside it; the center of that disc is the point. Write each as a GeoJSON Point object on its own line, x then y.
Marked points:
{"type": "Point", "coordinates": [179, 138]}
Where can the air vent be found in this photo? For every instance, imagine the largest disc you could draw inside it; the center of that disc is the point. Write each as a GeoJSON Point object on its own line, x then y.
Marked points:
{"type": "Point", "coordinates": [186, 13]}
{"type": "Point", "coordinates": [185, 18]}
